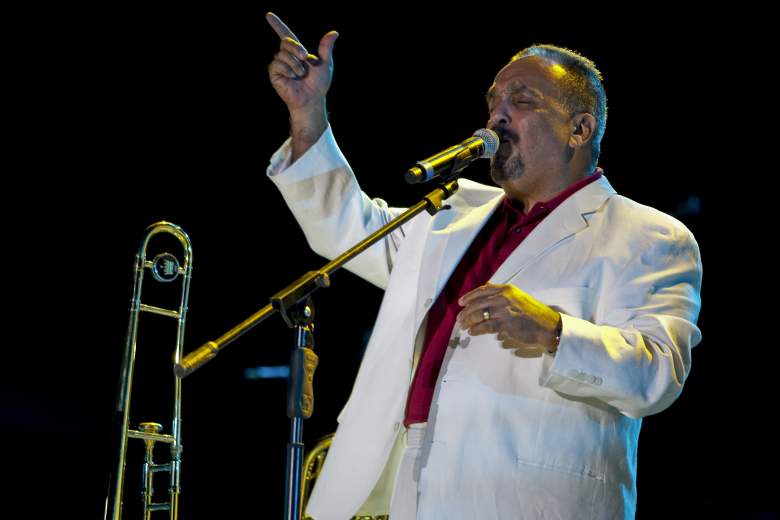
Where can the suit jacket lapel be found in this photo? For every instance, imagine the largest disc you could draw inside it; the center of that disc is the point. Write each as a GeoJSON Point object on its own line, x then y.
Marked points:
{"type": "Point", "coordinates": [448, 244]}
{"type": "Point", "coordinates": [566, 220]}
{"type": "Point", "coordinates": [444, 250]}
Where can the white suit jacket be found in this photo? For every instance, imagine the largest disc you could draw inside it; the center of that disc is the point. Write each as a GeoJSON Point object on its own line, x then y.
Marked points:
{"type": "Point", "coordinates": [553, 436]}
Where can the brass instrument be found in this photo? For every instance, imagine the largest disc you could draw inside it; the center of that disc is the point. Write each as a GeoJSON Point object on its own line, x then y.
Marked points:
{"type": "Point", "coordinates": [312, 466]}
{"type": "Point", "coordinates": [164, 268]}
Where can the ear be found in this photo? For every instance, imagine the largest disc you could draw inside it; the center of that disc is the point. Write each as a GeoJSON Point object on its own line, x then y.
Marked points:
{"type": "Point", "coordinates": [583, 128]}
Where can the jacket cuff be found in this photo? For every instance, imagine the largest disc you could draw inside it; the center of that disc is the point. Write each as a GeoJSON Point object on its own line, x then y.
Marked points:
{"type": "Point", "coordinates": [323, 156]}
{"type": "Point", "coordinates": [575, 364]}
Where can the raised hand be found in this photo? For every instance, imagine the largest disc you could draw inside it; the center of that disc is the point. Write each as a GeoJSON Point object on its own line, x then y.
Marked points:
{"type": "Point", "coordinates": [301, 79]}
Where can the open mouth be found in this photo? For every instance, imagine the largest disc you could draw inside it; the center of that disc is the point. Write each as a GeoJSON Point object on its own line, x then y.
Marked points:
{"type": "Point", "coordinates": [505, 140]}
{"type": "Point", "coordinates": [504, 137]}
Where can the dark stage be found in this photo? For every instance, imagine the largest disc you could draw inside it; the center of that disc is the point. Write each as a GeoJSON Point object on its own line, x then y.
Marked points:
{"type": "Point", "coordinates": [129, 114]}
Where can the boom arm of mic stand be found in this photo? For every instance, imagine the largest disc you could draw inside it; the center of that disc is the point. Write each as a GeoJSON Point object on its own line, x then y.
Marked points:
{"type": "Point", "coordinates": [299, 290]}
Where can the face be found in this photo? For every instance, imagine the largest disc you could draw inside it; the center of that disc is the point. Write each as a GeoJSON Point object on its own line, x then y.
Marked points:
{"type": "Point", "coordinates": [534, 127]}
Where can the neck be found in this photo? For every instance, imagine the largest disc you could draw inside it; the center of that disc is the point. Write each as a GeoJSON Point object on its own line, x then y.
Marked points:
{"type": "Point", "coordinates": [541, 188]}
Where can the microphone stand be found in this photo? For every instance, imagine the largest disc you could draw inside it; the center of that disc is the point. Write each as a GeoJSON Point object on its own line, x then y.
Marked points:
{"type": "Point", "coordinates": [295, 305]}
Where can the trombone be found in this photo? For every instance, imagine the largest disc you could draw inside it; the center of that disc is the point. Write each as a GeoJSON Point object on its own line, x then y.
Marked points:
{"type": "Point", "coordinates": [164, 268]}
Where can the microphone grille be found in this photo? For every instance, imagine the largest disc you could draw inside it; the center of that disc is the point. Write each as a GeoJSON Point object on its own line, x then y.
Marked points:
{"type": "Point", "coordinates": [491, 141]}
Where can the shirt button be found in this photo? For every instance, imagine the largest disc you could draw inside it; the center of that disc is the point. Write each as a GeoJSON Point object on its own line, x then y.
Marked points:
{"type": "Point", "coordinates": [396, 426]}
{"type": "Point", "coordinates": [428, 302]}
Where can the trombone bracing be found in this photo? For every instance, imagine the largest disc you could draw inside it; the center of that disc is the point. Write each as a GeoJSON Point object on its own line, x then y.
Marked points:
{"type": "Point", "coordinates": [164, 268]}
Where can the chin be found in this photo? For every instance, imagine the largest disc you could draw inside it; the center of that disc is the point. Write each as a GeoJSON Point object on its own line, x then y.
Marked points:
{"type": "Point", "coordinates": [503, 171]}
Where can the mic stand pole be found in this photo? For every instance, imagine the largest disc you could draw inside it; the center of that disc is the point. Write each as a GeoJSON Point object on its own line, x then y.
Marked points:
{"type": "Point", "coordinates": [294, 304]}
{"type": "Point", "coordinates": [300, 402]}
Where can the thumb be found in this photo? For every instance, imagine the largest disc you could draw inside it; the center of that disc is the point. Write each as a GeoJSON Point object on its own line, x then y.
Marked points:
{"type": "Point", "coordinates": [326, 46]}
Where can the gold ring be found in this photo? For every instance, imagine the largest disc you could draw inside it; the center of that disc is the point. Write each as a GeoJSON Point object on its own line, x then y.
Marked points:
{"type": "Point", "coordinates": [485, 315]}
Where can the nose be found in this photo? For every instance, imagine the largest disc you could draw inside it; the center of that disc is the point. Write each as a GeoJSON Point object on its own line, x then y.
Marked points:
{"type": "Point", "coordinates": [498, 117]}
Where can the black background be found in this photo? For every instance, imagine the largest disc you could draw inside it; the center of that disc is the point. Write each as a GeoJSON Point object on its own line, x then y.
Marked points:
{"type": "Point", "coordinates": [126, 114]}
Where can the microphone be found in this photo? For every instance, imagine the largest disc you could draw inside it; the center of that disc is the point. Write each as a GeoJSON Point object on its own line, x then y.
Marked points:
{"type": "Point", "coordinates": [484, 143]}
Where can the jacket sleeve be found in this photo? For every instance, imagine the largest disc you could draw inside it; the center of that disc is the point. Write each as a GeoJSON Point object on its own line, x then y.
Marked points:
{"type": "Point", "coordinates": [637, 354]}
{"type": "Point", "coordinates": [323, 195]}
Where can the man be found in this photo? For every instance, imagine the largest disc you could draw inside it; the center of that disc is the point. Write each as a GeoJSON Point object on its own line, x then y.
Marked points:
{"type": "Point", "coordinates": [524, 332]}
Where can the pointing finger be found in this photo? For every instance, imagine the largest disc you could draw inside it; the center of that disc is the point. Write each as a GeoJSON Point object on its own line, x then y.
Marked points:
{"type": "Point", "coordinates": [279, 27]}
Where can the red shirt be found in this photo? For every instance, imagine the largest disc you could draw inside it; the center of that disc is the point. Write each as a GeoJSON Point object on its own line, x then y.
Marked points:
{"type": "Point", "coordinates": [504, 231]}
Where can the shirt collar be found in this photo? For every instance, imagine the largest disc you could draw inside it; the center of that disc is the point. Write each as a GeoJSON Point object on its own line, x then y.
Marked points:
{"type": "Point", "coordinates": [515, 208]}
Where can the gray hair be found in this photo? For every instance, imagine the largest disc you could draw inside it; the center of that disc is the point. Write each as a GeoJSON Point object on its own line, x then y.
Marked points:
{"type": "Point", "coordinates": [581, 89]}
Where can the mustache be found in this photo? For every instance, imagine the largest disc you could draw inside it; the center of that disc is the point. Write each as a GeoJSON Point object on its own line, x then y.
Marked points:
{"type": "Point", "coordinates": [506, 134]}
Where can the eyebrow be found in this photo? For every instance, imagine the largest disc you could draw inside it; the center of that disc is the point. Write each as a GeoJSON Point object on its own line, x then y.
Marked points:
{"type": "Point", "coordinates": [513, 88]}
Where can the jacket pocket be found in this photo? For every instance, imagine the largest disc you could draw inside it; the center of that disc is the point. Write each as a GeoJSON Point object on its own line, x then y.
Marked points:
{"type": "Point", "coordinates": [582, 472]}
